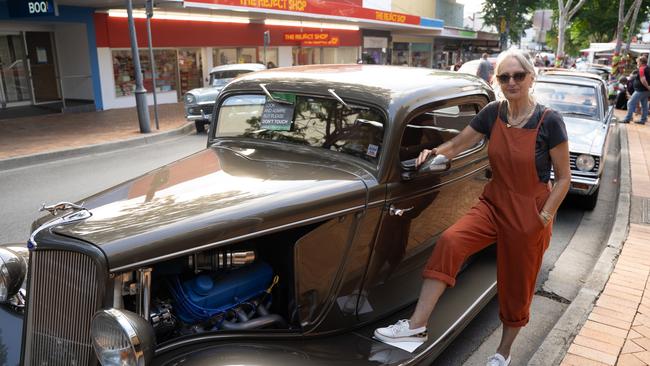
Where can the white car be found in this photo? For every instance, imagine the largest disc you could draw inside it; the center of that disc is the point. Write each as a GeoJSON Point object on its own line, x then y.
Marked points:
{"type": "Point", "coordinates": [199, 102]}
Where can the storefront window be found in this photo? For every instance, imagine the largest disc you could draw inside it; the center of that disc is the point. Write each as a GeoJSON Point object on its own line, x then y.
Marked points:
{"type": "Point", "coordinates": [166, 70]}
{"type": "Point", "coordinates": [225, 56]}
{"type": "Point", "coordinates": [306, 55]}
{"type": "Point", "coordinates": [271, 55]}
{"type": "Point", "coordinates": [189, 69]}
{"type": "Point", "coordinates": [421, 54]}
{"type": "Point", "coordinates": [400, 53]}
{"type": "Point", "coordinates": [340, 55]}
{"type": "Point", "coordinates": [247, 55]}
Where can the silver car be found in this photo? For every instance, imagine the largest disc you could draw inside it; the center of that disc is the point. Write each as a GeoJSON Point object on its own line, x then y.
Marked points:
{"type": "Point", "coordinates": [199, 102]}
{"type": "Point", "coordinates": [589, 119]}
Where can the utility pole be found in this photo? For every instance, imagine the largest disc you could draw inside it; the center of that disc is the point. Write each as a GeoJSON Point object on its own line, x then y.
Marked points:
{"type": "Point", "coordinates": [152, 61]}
{"type": "Point", "coordinates": [140, 91]}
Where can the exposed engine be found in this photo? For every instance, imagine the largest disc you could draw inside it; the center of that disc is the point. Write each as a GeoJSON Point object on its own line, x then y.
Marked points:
{"type": "Point", "coordinates": [208, 291]}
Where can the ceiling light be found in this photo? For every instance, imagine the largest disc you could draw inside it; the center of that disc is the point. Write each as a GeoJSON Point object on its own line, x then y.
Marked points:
{"type": "Point", "coordinates": [168, 15]}
{"type": "Point", "coordinates": [303, 24]}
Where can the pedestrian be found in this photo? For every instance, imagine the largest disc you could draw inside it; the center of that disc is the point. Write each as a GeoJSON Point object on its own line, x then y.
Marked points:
{"type": "Point", "coordinates": [485, 70]}
{"type": "Point", "coordinates": [270, 65]}
{"type": "Point", "coordinates": [516, 208]}
{"type": "Point", "coordinates": [621, 93]}
{"type": "Point", "coordinates": [641, 92]}
{"type": "Point", "coordinates": [458, 64]}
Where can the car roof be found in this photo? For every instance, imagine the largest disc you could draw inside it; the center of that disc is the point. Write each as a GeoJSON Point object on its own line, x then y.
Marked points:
{"type": "Point", "coordinates": [248, 66]}
{"type": "Point", "coordinates": [555, 75]}
{"type": "Point", "coordinates": [384, 86]}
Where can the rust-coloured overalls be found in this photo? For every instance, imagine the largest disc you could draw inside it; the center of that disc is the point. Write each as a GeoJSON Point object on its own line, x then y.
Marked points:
{"type": "Point", "coordinates": [507, 213]}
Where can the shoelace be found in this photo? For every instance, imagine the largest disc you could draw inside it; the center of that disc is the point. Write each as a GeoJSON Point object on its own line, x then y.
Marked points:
{"type": "Point", "coordinates": [399, 326]}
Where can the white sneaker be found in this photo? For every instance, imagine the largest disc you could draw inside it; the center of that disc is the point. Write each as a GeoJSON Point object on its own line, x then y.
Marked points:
{"type": "Point", "coordinates": [498, 360]}
{"type": "Point", "coordinates": [401, 332]}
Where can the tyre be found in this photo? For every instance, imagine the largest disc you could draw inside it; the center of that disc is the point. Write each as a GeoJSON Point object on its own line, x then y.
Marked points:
{"type": "Point", "coordinates": [200, 125]}
{"type": "Point", "coordinates": [589, 202]}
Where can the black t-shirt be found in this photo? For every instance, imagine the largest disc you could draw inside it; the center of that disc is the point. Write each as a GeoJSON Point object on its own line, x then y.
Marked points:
{"type": "Point", "coordinates": [551, 133]}
{"type": "Point", "coordinates": [637, 83]}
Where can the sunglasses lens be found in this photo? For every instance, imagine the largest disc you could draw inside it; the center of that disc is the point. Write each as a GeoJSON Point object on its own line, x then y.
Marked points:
{"type": "Point", "coordinates": [503, 78]}
{"type": "Point", "coordinates": [519, 76]}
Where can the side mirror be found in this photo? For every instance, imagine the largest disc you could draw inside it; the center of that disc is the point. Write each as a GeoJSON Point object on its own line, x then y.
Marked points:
{"type": "Point", "coordinates": [438, 163]}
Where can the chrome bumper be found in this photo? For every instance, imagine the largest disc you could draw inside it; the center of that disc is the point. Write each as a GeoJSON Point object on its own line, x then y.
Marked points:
{"type": "Point", "coordinates": [581, 185]}
{"type": "Point", "coordinates": [192, 115]}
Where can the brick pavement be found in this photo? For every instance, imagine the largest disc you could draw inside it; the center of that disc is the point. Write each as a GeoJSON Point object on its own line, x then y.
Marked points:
{"type": "Point", "coordinates": [52, 132]}
{"type": "Point", "coordinates": [617, 331]}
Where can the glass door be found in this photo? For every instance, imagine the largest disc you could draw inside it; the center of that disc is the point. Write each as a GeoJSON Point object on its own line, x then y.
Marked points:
{"type": "Point", "coordinates": [14, 81]}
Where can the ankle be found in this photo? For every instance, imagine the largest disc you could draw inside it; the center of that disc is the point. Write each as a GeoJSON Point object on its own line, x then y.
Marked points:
{"type": "Point", "coordinates": [504, 353]}
{"type": "Point", "coordinates": [414, 323]}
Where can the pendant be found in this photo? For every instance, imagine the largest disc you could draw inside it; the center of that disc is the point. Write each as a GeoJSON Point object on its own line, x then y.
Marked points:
{"type": "Point", "coordinates": [508, 125]}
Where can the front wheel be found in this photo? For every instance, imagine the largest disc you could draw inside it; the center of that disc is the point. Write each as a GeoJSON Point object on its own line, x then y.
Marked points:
{"type": "Point", "coordinates": [589, 202]}
{"type": "Point", "coordinates": [200, 125]}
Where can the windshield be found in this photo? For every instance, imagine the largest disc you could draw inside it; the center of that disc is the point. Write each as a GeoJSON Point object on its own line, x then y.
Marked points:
{"type": "Point", "coordinates": [221, 78]}
{"type": "Point", "coordinates": [568, 99]}
{"type": "Point", "coordinates": [307, 121]}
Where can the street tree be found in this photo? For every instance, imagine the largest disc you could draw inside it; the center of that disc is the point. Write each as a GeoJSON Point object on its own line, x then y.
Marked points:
{"type": "Point", "coordinates": [508, 16]}
{"type": "Point", "coordinates": [618, 63]}
{"type": "Point", "coordinates": [565, 13]}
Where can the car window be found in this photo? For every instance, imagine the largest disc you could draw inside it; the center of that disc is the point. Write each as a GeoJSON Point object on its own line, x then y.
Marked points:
{"type": "Point", "coordinates": [434, 127]}
{"type": "Point", "coordinates": [221, 78]}
{"type": "Point", "coordinates": [569, 99]}
{"type": "Point", "coordinates": [311, 121]}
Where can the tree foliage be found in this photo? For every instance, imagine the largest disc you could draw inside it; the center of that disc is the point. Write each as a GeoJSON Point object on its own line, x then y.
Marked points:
{"type": "Point", "coordinates": [596, 21]}
{"type": "Point", "coordinates": [512, 12]}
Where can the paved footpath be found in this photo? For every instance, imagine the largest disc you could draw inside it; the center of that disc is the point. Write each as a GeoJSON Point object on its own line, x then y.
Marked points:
{"type": "Point", "coordinates": [617, 331]}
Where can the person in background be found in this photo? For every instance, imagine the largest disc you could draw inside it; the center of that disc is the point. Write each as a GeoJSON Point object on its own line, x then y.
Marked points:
{"type": "Point", "coordinates": [621, 93]}
{"type": "Point", "coordinates": [270, 65]}
{"type": "Point", "coordinates": [515, 211]}
{"type": "Point", "coordinates": [485, 70]}
{"type": "Point", "coordinates": [458, 64]}
{"type": "Point", "coordinates": [641, 92]}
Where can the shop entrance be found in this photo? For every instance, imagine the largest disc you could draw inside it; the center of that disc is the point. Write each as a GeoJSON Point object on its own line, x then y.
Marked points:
{"type": "Point", "coordinates": [189, 70]}
{"type": "Point", "coordinates": [42, 65]}
{"type": "Point", "coordinates": [14, 81]}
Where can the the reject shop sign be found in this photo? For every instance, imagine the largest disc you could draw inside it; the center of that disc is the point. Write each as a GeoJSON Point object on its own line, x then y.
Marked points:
{"type": "Point", "coordinates": [313, 39]}
{"type": "Point", "coordinates": [330, 9]}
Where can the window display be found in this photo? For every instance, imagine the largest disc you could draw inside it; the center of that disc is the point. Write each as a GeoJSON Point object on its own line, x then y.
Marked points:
{"type": "Point", "coordinates": [189, 70]}
{"type": "Point", "coordinates": [225, 56]}
{"type": "Point", "coordinates": [166, 71]}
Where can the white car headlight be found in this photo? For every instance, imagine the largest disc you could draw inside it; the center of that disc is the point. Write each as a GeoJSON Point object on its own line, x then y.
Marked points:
{"type": "Point", "coordinates": [122, 338]}
{"type": "Point", "coordinates": [585, 162]}
{"type": "Point", "coordinates": [189, 99]}
{"type": "Point", "coordinates": [13, 268]}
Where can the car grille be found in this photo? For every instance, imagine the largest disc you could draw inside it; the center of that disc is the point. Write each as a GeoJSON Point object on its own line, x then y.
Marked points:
{"type": "Point", "coordinates": [64, 293]}
{"type": "Point", "coordinates": [574, 156]}
{"type": "Point", "coordinates": [207, 109]}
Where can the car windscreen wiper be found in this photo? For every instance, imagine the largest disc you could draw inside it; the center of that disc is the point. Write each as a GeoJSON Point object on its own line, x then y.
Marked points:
{"type": "Point", "coordinates": [281, 101]}
{"type": "Point", "coordinates": [346, 105]}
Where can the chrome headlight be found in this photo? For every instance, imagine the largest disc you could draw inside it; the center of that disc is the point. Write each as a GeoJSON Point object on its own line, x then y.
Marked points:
{"type": "Point", "coordinates": [189, 99]}
{"type": "Point", "coordinates": [122, 338]}
{"type": "Point", "coordinates": [585, 162]}
{"type": "Point", "coordinates": [13, 268]}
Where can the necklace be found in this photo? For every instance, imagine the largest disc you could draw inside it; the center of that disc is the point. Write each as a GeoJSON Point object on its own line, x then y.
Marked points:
{"type": "Point", "coordinates": [519, 122]}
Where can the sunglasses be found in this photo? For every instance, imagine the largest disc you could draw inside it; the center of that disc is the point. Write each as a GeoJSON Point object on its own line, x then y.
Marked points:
{"type": "Point", "coordinates": [518, 77]}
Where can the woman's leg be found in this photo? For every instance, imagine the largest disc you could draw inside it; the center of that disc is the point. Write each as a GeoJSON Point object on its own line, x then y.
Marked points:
{"type": "Point", "coordinates": [430, 292]}
{"type": "Point", "coordinates": [507, 338]}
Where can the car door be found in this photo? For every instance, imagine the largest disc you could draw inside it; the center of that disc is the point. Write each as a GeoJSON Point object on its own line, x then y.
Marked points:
{"type": "Point", "coordinates": [420, 207]}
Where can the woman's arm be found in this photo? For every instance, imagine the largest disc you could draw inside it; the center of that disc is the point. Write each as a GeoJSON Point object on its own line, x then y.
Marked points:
{"type": "Point", "coordinates": [464, 140]}
{"type": "Point", "coordinates": [560, 159]}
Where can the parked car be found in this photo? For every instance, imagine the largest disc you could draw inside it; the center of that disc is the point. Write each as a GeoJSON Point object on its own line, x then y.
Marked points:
{"type": "Point", "coordinates": [589, 119]}
{"type": "Point", "coordinates": [199, 102]}
{"type": "Point", "coordinates": [300, 228]}
{"type": "Point", "coordinates": [471, 67]}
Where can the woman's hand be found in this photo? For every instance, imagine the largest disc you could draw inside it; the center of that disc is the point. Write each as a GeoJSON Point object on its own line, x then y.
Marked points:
{"type": "Point", "coordinates": [545, 218]}
{"type": "Point", "coordinates": [424, 155]}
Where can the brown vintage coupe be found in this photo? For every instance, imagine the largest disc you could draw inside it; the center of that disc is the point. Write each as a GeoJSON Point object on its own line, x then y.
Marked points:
{"type": "Point", "coordinates": [299, 229]}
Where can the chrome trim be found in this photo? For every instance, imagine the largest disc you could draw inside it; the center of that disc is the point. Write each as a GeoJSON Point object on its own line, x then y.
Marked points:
{"type": "Point", "coordinates": [144, 292]}
{"type": "Point", "coordinates": [194, 117]}
{"type": "Point", "coordinates": [134, 339]}
{"type": "Point", "coordinates": [61, 206]}
{"type": "Point", "coordinates": [238, 238]}
{"type": "Point", "coordinates": [63, 220]}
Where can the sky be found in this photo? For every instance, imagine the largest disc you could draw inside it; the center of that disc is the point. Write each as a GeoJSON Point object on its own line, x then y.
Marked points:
{"type": "Point", "coordinates": [471, 6]}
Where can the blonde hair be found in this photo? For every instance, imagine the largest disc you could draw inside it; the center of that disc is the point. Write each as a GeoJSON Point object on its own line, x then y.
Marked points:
{"type": "Point", "coordinates": [524, 60]}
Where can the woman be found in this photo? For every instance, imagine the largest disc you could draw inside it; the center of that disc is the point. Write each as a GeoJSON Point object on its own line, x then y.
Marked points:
{"type": "Point", "coordinates": [515, 210]}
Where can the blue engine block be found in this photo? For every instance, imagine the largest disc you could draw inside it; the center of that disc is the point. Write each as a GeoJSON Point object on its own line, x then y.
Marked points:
{"type": "Point", "coordinates": [206, 295]}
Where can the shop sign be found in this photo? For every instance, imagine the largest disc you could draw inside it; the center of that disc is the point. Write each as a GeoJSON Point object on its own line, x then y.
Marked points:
{"type": "Point", "coordinates": [331, 42]}
{"type": "Point", "coordinates": [334, 8]}
{"type": "Point", "coordinates": [306, 36]}
{"type": "Point", "coordinates": [31, 8]}
{"type": "Point", "coordinates": [458, 33]}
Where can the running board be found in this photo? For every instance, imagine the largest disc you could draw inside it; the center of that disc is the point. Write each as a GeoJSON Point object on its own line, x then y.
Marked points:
{"type": "Point", "coordinates": [475, 287]}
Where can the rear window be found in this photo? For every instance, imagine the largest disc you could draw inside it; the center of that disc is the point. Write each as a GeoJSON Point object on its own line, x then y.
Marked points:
{"type": "Point", "coordinates": [309, 121]}
{"type": "Point", "coordinates": [221, 78]}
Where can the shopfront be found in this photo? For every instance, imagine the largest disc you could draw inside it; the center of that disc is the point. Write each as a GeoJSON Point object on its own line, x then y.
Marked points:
{"type": "Point", "coordinates": [454, 44]}
{"type": "Point", "coordinates": [49, 59]}
{"type": "Point", "coordinates": [412, 51]}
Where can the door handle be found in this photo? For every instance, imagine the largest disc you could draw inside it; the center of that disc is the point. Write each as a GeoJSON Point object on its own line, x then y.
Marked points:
{"type": "Point", "coordinates": [394, 211]}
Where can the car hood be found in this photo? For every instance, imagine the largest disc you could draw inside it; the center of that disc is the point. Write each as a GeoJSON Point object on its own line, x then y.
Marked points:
{"type": "Point", "coordinates": [585, 135]}
{"type": "Point", "coordinates": [207, 94]}
{"type": "Point", "coordinates": [212, 196]}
